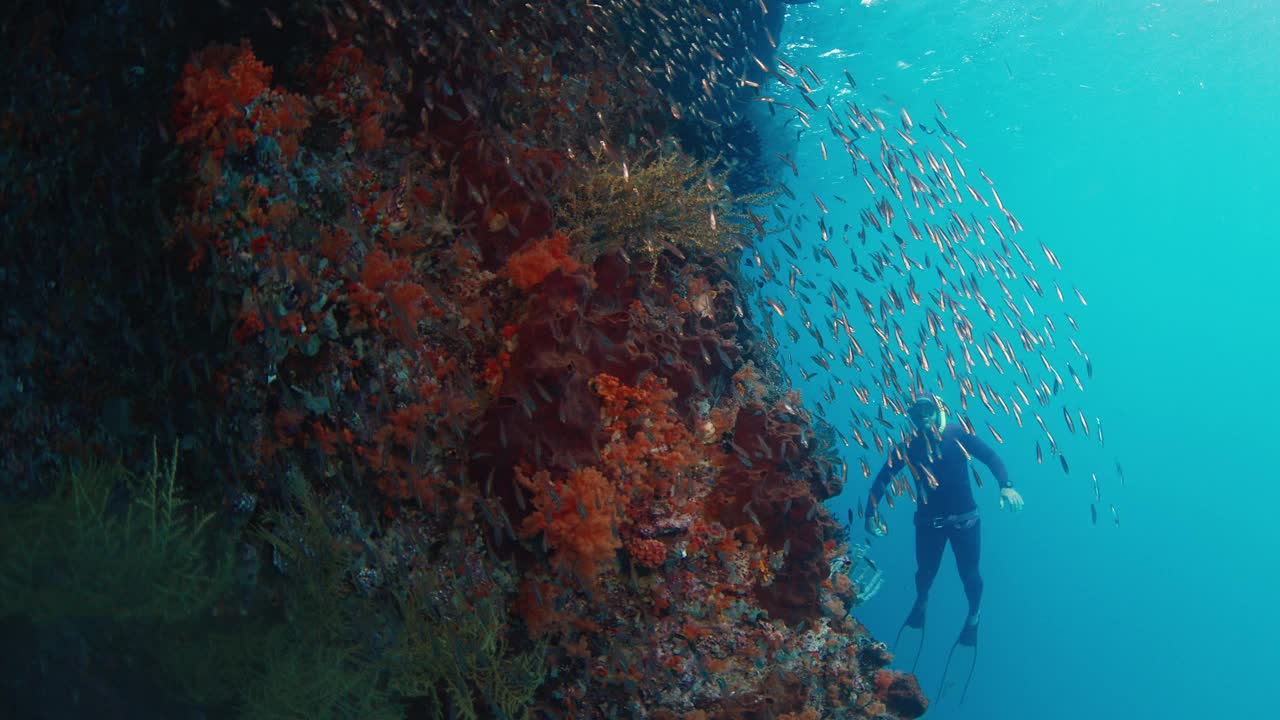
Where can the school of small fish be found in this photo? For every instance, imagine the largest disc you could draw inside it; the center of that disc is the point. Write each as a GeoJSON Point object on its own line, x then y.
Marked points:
{"type": "Point", "coordinates": [939, 283]}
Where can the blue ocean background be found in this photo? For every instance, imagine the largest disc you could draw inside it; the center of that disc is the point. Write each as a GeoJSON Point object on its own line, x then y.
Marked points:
{"type": "Point", "coordinates": [1138, 141]}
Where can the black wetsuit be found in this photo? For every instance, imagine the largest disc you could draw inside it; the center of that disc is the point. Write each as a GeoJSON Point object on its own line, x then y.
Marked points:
{"type": "Point", "coordinates": [948, 511]}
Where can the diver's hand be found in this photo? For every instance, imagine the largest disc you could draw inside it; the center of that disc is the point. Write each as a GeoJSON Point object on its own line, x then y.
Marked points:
{"type": "Point", "coordinates": [874, 526]}
{"type": "Point", "coordinates": [1012, 497]}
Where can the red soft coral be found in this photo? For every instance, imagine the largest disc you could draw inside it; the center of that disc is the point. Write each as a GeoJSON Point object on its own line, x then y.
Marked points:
{"type": "Point", "coordinates": [649, 445]}
{"type": "Point", "coordinates": [409, 302]}
{"type": "Point", "coordinates": [352, 88]}
{"type": "Point", "coordinates": [216, 88]}
{"type": "Point", "coordinates": [225, 101]}
{"type": "Point", "coordinates": [883, 680]}
{"type": "Point", "coordinates": [379, 269]}
{"type": "Point", "coordinates": [533, 263]}
{"type": "Point", "coordinates": [577, 517]}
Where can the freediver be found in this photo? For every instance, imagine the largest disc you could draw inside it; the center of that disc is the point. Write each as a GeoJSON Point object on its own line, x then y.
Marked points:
{"type": "Point", "coordinates": [938, 456]}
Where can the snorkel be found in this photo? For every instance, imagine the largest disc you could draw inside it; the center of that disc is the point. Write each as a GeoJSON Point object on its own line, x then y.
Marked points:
{"type": "Point", "coordinates": [928, 412]}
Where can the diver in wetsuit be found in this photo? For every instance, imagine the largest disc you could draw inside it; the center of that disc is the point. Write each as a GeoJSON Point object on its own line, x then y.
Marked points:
{"type": "Point", "coordinates": [938, 457]}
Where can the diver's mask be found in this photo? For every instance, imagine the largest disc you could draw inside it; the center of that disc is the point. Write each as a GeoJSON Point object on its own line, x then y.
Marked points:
{"type": "Point", "coordinates": [927, 412]}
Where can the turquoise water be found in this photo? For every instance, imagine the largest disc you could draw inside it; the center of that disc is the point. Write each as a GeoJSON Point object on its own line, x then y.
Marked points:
{"type": "Point", "coordinates": [1137, 141]}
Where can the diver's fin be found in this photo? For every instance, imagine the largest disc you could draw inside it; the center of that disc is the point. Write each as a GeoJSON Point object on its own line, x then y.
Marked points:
{"type": "Point", "coordinates": [973, 663]}
{"type": "Point", "coordinates": [968, 638]}
{"type": "Point", "coordinates": [915, 620]}
{"type": "Point", "coordinates": [919, 647]}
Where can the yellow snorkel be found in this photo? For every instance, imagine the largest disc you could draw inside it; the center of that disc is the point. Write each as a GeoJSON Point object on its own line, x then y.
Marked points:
{"type": "Point", "coordinates": [927, 410]}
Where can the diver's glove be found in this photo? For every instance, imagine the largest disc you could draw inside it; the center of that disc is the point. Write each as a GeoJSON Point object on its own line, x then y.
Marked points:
{"type": "Point", "coordinates": [1011, 496]}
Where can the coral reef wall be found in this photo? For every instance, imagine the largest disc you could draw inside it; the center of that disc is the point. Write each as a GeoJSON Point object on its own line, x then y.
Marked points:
{"type": "Point", "coordinates": [439, 306]}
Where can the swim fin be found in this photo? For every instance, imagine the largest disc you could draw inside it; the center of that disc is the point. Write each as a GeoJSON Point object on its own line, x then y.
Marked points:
{"type": "Point", "coordinates": [915, 620]}
{"type": "Point", "coordinates": [968, 638]}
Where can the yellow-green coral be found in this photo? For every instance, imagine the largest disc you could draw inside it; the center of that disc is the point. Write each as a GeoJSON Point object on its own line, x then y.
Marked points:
{"type": "Point", "coordinates": [127, 556]}
{"type": "Point", "coordinates": [315, 561]}
{"type": "Point", "coordinates": [315, 661]}
{"type": "Point", "coordinates": [455, 654]}
{"type": "Point", "coordinates": [104, 544]}
{"type": "Point", "coordinates": [664, 202]}
{"type": "Point", "coordinates": [304, 678]}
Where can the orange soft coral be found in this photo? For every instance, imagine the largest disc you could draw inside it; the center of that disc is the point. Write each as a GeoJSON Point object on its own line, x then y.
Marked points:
{"type": "Point", "coordinates": [883, 680]}
{"type": "Point", "coordinates": [577, 517]}
{"type": "Point", "coordinates": [352, 88]}
{"type": "Point", "coordinates": [533, 263]}
{"type": "Point", "coordinates": [225, 101]}
{"type": "Point", "coordinates": [216, 88]}
{"type": "Point", "coordinates": [404, 426]}
{"type": "Point", "coordinates": [379, 269]}
{"type": "Point", "coordinates": [649, 445]}
{"type": "Point", "coordinates": [409, 301]}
